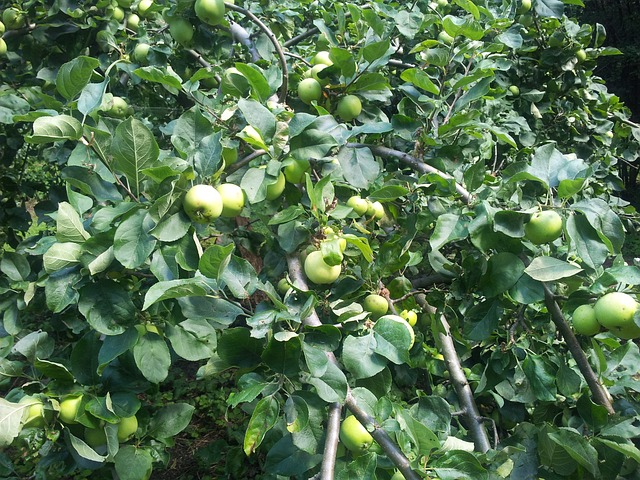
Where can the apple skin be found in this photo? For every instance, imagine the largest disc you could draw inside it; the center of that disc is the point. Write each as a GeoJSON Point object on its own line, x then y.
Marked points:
{"type": "Point", "coordinates": [359, 204]}
{"type": "Point", "coordinates": [69, 409]}
{"type": "Point", "coordinates": [127, 427]}
{"type": "Point", "coordinates": [322, 58]}
{"type": "Point", "coordinates": [581, 55]}
{"type": "Point", "coordinates": [274, 190]}
{"type": "Point", "coordinates": [309, 90]}
{"type": "Point", "coordinates": [144, 6]}
{"type": "Point", "coordinates": [375, 209]}
{"type": "Point", "coordinates": [318, 271]}
{"type": "Point", "coordinates": [445, 38]}
{"type": "Point", "coordinates": [33, 415]}
{"type": "Point", "coordinates": [3, 47]}
{"type": "Point", "coordinates": [140, 52]}
{"type": "Point", "coordinates": [232, 199]}
{"type": "Point", "coordinates": [181, 30]}
{"type": "Point", "coordinates": [354, 436]}
{"type": "Point", "coordinates": [585, 321]}
{"type": "Point", "coordinates": [615, 312]}
{"type": "Point", "coordinates": [543, 227]}
{"type": "Point", "coordinates": [315, 70]}
{"type": "Point", "coordinates": [376, 305]}
{"type": "Point", "coordinates": [133, 22]}
{"type": "Point", "coordinates": [349, 107]}
{"type": "Point", "coordinates": [410, 316]}
{"type": "Point", "coordinates": [294, 171]}
{"type": "Point", "coordinates": [210, 12]}
{"type": "Point", "coordinates": [202, 204]}
{"type": "Point", "coordinates": [118, 14]}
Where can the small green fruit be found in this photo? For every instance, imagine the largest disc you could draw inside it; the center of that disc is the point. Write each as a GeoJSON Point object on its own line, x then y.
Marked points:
{"type": "Point", "coordinates": [133, 22]}
{"type": "Point", "coordinates": [232, 199]}
{"type": "Point", "coordinates": [127, 427]}
{"type": "Point", "coordinates": [309, 90]}
{"type": "Point", "coordinates": [322, 58]}
{"type": "Point", "coordinates": [349, 107]}
{"type": "Point", "coordinates": [3, 47]}
{"type": "Point", "coordinates": [354, 436]}
{"type": "Point", "coordinates": [376, 305]}
{"type": "Point", "coordinates": [210, 12]}
{"type": "Point", "coordinates": [585, 321]}
{"type": "Point", "coordinates": [359, 204]}
{"type": "Point", "coordinates": [274, 190]}
{"type": "Point", "coordinates": [181, 30]}
{"type": "Point", "coordinates": [141, 52]}
{"type": "Point", "coordinates": [69, 408]}
{"type": "Point", "coordinates": [295, 170]}
{"type": "Point", "coordinates": [318, 271]}
{"type": "Point", "coordinates": [543, 227]}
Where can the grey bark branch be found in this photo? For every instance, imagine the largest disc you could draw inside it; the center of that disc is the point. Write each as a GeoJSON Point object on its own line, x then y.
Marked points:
{"type": "Point", "coordinates": [240, 35]}
{"type": "Point", "coordinates": [599, 392]}
{"type": "Point", "coordinates": [380, 435]}
{"type": "Point", "coordinates": [331, 442]}
{"type": "Point", "coordinates": [414, 163]}
{"type": "Point", "coordinates": [282, 97]}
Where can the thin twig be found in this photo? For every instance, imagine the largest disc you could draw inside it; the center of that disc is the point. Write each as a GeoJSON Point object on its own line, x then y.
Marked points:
{"type": "Point", "coordinates": [413, 162]}
{"type": "Point", "coordinates": [243, 161]}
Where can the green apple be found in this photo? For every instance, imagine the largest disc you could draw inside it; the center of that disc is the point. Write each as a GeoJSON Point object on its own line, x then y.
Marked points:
{"type": "Point", "coordinates": [229, 155]}
{"type": "Point", "coordinates": [2, 28]}
{"type": "Point", "coordinates": [526, 20]}
{"type": "Point", "coordinates": [133, 22]}
{"type": "Point", "coordinates": [410, 316]}
{"type": "Point", "coordinates": [283, 286]}
{"type": "Point", "coordinates": [525, 6]}
{"type": "Point", "coordinates": [141, 52]}
{"type": "Point", "coordinates": [127, 427]}
{"type": "Point", "coordinates": [581, 55]}
{"type": "Point", "coordinates": [118, 14]}
{"type": "Point", "coordinates": [318, 271]}
{"type": "Point", "coordinates": [514, 90]}
{"type": "Point", "coordinates": [202, 203]}
{"type": "Point", "coordinates": [232, 199]}
{"type": "Point", "coordinates": [585, 321]}
{"type": "Point", "coordinates": [274, 190]}
{"type": "Point", "coordinates": [13, 18]}
{"type": "Point", "coordinates": [615, 311]}
{"type": "Point", "coordinates": [3, 47]}
{"type": "Point", "coordinates": [144, 6]}
{"type": "Point", "coordinates": [354, 436]}
{"type": "Point", "coordinates": [210, 12]}
{"type": "Point", "coordinates": [181, 30]}
{"type": "Point", "coordinates": [349, 107]}
{"type": "Point", "coordinates": [69, 408]}
{"type": "Point", "coordinates": [445, 38]}
{"type": "Point", "coordinates": [309, 90]}
{"type": "Point", "coordinates": [95, 437]}
{"type": "Point", "coordinates": [359, 204]}
{"type": "Point", "coordinates": [375, 210]}
{"type": "Point", "coordinates": [119, 108]}
{"type": "Point", "coordinates": [376, 305]}
{"type": "Point", "coordinates": [33, 415]}
{"type": "Point", "coordinates": [322, 58]}
{"type": "Point", "coordinates": [399, 286]}
{"type": "Point", "coordinates": [295, 169]}
{"type": "Point", "coordinates": [315, 70]}
{"type": "Point", "coordinates": [543, 227]}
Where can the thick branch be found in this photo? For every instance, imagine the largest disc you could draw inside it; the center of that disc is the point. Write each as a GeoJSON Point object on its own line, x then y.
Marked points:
{"type": "Point", "coordinates": [244, 161]}
{"type": "Point", "coordinates": [241, 36]}
{"type": "Point", "coordinates": [463, 390]}
{"type": "Point", "coordinates": [283, 61]}
{"type": "Point", "coordinates": [331, 442]}
{"type": "Point", "coordinates": [599, 392]}
{"type": "Point", "coordinates": [414, 163]}
{"type": "Point", "coordinates": [379, 434]}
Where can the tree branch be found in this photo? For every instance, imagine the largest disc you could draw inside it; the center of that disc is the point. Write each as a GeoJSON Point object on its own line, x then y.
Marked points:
{"type": "Point", "coordinates": [599, 392]}
{"type": "Point", "coordinates": [331, 442]}
{"type": "Point", "coordinates": [243, 161]}
{"type": "Point", "coordinates": [379, 434]}
{"type": "Point", "coordinates": [282, 97]}
{"type": "Point", "coordinates": [240, 35]}
{"type": "Point", "coordinates": [414, 163]}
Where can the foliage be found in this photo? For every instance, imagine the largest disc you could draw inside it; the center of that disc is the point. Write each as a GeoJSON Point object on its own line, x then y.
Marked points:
{"type": "Point", "coordinates": [120, 285]}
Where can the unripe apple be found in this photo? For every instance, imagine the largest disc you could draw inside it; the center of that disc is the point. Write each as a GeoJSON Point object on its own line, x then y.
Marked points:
{"type": "Point", "coordinates": [118, 14]}
{"type": "Point", "coordinates": [445, 38]}
{"type": "Point", "coordinates": [315, 70]}
{"type": "Point", "coordinates": [349, 107]}
{"type": "Point", "coordinates": [144, 6]}
{"type": "Point", "coordinates": [133, 22]}
{"type": "Point", "coordinates": [295, 170]}
{"type": "Point", "coordinates": [359, 204]}
{"type": "Point", "coordinates": [3, 47]}
{"type": "Point", "coordinates": [322, 58]}
{"type": "Point", "coordinates": [2, 28]}
{"type": "Point", "coordinates": [232, 199]}
{"type": "Point", "coordinates": [141, 52]}
{"type": "Point", "coordinates": [309, 90]}
{"type": "Point", "coordinates": [210, 12]}
{"type": "Point", "coordinates": [181, 30]}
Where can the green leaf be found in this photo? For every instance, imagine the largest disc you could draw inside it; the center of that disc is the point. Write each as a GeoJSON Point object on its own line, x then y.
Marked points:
{"type": "Point", "coordinates": [332, 385]}
{"type": "Point", "coordinates": [578, 448]}
{"type": "Point", "coordinates": [69, 226]}
{"type": "Point", "coordinates": [263, 419]}
{"type": "Point", "coordinates": [82, 450]}
{"type": "Point", "coordinates": [215, 259]}
{"type": "Point", "coordinates": [586, 241]}
{"type": "Point", "coordinates": [73, 76]}
{"type": "Point", "coordinates": [458, 465]}
{"type": "Point", "coordinates": [392, 340]}
{"type": "Point", "coordinates": [187, 287]}
{"type": "Point", "coordinates": [296, 412]}
{"type": "Point", "coordinates": [258, 116]}
{"type": "Point", "coordinates": [91, 97]}
{"type": "Point", "coordinates": [482, 319]}
{"type": "Point", "coordinates": [54, 129]}
{"type": "Point", "coordinates": [16, 267]}
{"type": "Point", "coordinates": [466, 26]}
{"type": "Point", "coordinates": [61, 256]}
{"type": "Point", "coordinates": [239, 277]}
{"type": "Point", "coordinates": [549, 8]}
{"type": "Point", "coordinates": [420, 79]}
{"type": "Point", "coordinates": [605, 222]}
{"type": "Point", "coordinates": [469, 6]}
{"type": "Point", "coordinates": [360, 358]}
{"type": "Point", "coordinates": [107, 307]}
{"type": "Point", "coordinates": [504, 269]}
{"type": "Point", "coordinates": [134, 148]}
{"type": "Point", "coordinates": [620, 445]}
{"type": "Point", "coordinates": [10, 421]}
{"type": "Point", "coordinates": [549, 269]}
{"type": "Point", "coordinates": [133, 463]}
{"type": "Point", "coordinates": [259, 85]}
{"type": "Point", "coordinates": [359, 166]}
{"type": "Point", "coordinates": [170, 420]}
{"type": "Point", "coordinates": [115, 345]}
{"type": "Point", "coordinates": [164, 76]}
{"type": "Point", "coordinates": [449, 227]}
{"type": "Point", "coordinates": [192, 346]}
{"type": "Point", "coordinates": [133, 243]}
{"type": "Point", "coordinates": [172, 228]}
{"type": "Point", "coordinates": [421, 436]}
{"type": "Point", "coordinates": [542, 377]}
{"type": "Point", "coordinates": [152, 357]}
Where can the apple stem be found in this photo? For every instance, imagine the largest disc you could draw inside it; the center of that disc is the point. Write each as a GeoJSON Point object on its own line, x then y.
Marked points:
{"type": "Point", "coordinates": [413, 162]}
{"type": "Point", "coordinates": [599, 392]}
{"type": "Point", "coordinates": [379, 434]}
{"type": "Point", "coordinates": [282, 97]}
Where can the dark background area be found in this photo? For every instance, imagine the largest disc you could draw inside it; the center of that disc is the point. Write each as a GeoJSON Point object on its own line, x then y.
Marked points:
{"type": "Point", "coordinates": [621, 19]}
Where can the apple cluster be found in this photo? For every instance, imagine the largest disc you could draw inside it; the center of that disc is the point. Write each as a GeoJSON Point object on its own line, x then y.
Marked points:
{"type": "Point", "coordinates": [615, 311]}
{"type": "Point", "coordinates": [204, 203]}
{"type": "Point", "coordinates": [310, 88]}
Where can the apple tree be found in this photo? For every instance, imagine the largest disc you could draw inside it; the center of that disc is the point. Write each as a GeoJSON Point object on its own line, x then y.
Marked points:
{"type": "Point", "coordinates": [379, 216]}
